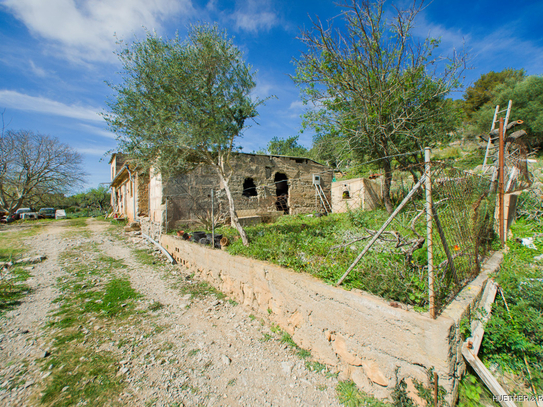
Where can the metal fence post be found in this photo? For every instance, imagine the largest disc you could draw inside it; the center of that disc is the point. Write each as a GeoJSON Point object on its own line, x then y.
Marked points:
{"type": "Point", "coordinates": [500, 184]}
{"type": "Point", "coordinates": [212, 218]}
{"type": "Point", "coordinates": [429, 242]}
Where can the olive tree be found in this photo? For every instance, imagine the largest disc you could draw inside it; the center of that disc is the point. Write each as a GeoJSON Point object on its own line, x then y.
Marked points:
{"type": "Point", "coordinates": [375, 87]}
{"type": "Point", "coordinates": [34, 165]}
{"type": "Point", "coordinates": [182, 103]}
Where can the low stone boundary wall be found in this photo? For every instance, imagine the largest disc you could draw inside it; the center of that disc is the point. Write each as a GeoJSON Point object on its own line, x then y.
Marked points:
{"type": "Point", "coordinates": [363, 336]}
{"type": "Point", "coordinates": [150, 228]}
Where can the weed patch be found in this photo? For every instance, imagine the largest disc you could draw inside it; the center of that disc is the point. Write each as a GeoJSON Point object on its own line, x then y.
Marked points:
{"type": "Point", "coordinates": [325, 247]}
{"type": "Point", "coordinates": [513, 338]}
{"type": "Point", "coordinates": [349, 395]}
{"type": "Point", "coordinates": [201, 289]}
{"type": "Point", "coordinates": [144, 256]}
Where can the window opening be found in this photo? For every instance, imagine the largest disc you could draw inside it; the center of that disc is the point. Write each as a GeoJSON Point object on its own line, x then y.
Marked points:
{"type": "Point", "coordinates": [346, 194]}
{"type": "Point", "coordinates": [249, 188]}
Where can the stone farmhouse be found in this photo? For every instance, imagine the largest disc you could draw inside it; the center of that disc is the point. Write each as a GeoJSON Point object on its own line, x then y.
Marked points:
{"type": "Point", "coordinates": [263, 186]}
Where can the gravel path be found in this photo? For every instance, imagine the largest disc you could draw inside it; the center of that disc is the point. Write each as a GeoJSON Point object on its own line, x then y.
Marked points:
{"type": "Point", "coordinates": [192, 351]}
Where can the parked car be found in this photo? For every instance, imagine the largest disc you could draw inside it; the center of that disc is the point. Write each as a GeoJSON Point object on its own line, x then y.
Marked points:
{"type": "Point", "coordinates": [29, 216]}
{"type": "Point", "coordinates": [47, 213]}
{"type": "Point", "coordinates": [20, 211]}
{"type": "Point", "coordinates": [60, 214]}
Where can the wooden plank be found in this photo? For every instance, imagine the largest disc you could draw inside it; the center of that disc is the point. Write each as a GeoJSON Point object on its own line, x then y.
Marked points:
{"type": "Point", "coordinates": [485, 375]}
{"type": "Point", "coordinates": [478, 329]}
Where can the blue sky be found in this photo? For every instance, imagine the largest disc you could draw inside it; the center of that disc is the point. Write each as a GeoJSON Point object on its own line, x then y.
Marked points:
{"type": "Point", "coordinates": [55, 56]}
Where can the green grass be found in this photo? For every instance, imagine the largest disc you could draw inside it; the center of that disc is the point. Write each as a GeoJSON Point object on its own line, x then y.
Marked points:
{"type": "Point", "coordinates": [81, 374]}
{"type": "Point", "coordinates": [515, 329]}
{"type": "Point", "coordinates": [145, 256]}
{"type": "Point", "coordinates": [349, 395]}
{"type": "Point", "coordinates": [95, 299]}
{"type": "Point", "coordinates": [200, 289]}
{"type": "Point", "coordinates": [12, 287]}
{"type": "Point", "coordinates": [12, 280]}
{"type": "Point", "coordinates": [325, 247]}
{"type": "Point", "coordinates": [78, 222]}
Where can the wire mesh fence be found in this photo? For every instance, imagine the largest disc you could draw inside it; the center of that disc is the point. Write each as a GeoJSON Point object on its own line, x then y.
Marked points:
{"type": "Point", "coordinates": [461, 235]}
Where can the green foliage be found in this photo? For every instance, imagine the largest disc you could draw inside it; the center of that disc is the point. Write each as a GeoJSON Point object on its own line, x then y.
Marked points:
{"type": "Point", "coordinates": [472, 392]}
{"type": "Point", "coordinates": [373, 88]}
{"type": "Point", "coordinates": [182, 101]}
{"type": "Point", "coordinates": [81, 374]}
{"type": "Point", "coordinates": [399, 395]}
{"type": "Point", "coordinates": [201, 289]}
{"type": "Point", "coordinates": [307, 244]}
{"type": "Point", "coordinates": [316, 366]}
{"type": "Point", "coordinates": [12, 280]}
{"type": "Point", "coordinates": [527, 97]}
{"type": "Point", "coordinates": [515, 329]}
{"type": "Point", "coordinates": [482, 91]}
{"type": "Point", "coordinates": [288, 146]}
{"type": "Point", "coordinates": [93, 199]}
{"type": "Point", "coordinates": [92, 291]}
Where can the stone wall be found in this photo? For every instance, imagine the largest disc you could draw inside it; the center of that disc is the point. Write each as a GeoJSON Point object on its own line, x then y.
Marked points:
{"type": "Point", "coordinates": [189, 195]}
{"type": "Point", "coordinates": [142, 182]}
{"type": "Point", "coordinates": [363, 336]}
{"type": "Point", "coordinates": [150, 228]}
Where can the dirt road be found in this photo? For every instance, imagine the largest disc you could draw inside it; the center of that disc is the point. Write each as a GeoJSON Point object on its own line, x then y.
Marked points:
{"type": "Point", "coordinates": [84, 336]}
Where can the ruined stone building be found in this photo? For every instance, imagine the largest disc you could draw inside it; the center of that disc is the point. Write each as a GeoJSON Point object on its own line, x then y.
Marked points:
{"type": "Point", "coordinates": [356, 193]}
{"type": "Point", "coordinates": [262, 186]}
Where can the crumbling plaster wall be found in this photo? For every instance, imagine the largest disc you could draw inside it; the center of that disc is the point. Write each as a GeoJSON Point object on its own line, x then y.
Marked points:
{"type": "Point", "coordinates": [365, 337]}
{"type": "Point", "coordinates": [142, 182]}
{"type": "Point", "coordinates": [361, 193]}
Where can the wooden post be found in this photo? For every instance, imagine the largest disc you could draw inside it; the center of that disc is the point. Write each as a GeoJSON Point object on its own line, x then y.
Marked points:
{"type": "Point", "coordinates": [500, 184]}
{"type": "Point", "coordinates": [429, 241]}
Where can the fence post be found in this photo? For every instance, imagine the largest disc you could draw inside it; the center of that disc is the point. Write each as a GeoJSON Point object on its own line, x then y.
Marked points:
{"type": "Point", "coordinates": [429, 242]}
{"type": "Point", "coordinates": [500, 184]}
{"type": "Point", "coordinates": [212, 218]}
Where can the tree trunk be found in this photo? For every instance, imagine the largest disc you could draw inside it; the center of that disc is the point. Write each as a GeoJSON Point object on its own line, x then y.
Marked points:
{"type": "Point", "coordinates": [386, 186]}
{"type": "Point", "coordinates": [234, 220]}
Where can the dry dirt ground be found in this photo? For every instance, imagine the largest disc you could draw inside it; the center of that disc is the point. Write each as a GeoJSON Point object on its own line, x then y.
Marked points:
{"type": "Point", "coordinates": [174, 349]}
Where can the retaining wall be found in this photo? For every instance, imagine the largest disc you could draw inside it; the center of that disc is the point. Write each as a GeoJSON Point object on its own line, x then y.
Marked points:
{"type": "Point", "coordinates": [363, 336]}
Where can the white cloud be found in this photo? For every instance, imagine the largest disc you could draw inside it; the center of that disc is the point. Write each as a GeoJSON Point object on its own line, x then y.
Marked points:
{"type": "Point", "coordinates": [92, 151]}
{"type": "Point", "coordinates": [297, 105]}
{"type": "Point", "coordinates": [254, 15]}
{"type": "Point", "coordinates": [99, 131]}
{"type": "Point", "coordinates": [37, 70]}
{"type": "Point", "coordinates": [262, 90]}
{"type": "Point", "coordinates": [84, 29]}
{"type": "Point", "coordinates": [495, 50]}
{"type": "Point", "coordinates": [15, 100]}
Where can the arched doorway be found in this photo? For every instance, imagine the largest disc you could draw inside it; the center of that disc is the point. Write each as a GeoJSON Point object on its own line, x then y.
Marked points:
{"type": "Point", "coordinates": [281, 189]}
